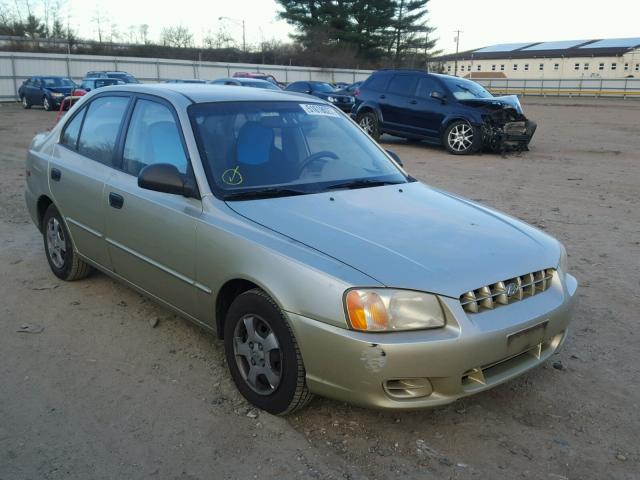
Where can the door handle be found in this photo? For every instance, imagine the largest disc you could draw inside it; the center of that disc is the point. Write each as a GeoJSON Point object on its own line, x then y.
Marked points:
{"type": "Point", "coordinates": [56, 174]}
{"type": "Point", "coordinates": [115, 200]}
{"type": "Point", "coordinates": [413, 102]}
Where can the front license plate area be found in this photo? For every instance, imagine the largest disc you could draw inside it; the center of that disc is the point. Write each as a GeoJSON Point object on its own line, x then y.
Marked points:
{"type": "Point", "coordinates": [525, 339]}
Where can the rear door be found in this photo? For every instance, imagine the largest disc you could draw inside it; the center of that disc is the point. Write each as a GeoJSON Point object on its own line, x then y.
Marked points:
{"type": "Point", "coordinates": [151, 235]}
{"type": "Point", "coordinates": [400, 90]}
{"type": "Point", "coordinates": [81, 163]}
{"type": "Point", "coordinates": [34, 94]}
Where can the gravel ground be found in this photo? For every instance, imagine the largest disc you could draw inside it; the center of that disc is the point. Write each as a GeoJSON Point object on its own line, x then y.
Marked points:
{"type": "Point", "coordinates": [102, 393]}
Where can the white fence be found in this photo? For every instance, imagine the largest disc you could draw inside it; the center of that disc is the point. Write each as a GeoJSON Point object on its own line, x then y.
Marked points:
{"type": "Point", "coordinates": [17, 67]}
{"type": "Point", "coordinates": [565, 87]}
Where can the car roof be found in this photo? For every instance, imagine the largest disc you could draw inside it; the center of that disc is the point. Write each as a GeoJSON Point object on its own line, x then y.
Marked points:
{"type": "Point", "coordinates": [206, 93]}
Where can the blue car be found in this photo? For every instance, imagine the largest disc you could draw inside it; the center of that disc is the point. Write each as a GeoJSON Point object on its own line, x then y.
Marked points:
{"type": "Point", "coordinates": [47, 91]}
{"type": "Point", "coordinates": [442, 109]}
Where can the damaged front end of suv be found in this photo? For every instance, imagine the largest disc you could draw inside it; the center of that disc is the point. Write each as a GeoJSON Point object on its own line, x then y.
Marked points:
{"type": "Point", "coordinates": [504, 126]}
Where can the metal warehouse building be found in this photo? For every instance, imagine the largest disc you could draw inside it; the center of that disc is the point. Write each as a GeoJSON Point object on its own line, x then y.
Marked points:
{"type": "Point", "coordinates": [604, 58]}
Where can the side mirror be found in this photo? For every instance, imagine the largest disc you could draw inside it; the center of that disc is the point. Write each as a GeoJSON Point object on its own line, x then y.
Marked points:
{"type": "Point", "coordinates": [164, 177]}
{"type": "Point", "coordinates": [395, 156]}
{"type": "Point", "coordinates": [439, 96]}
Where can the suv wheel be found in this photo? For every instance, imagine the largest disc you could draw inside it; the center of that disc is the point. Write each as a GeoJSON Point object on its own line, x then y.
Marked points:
{"type": "Point", "coordinates": [62, 258]}
{"type": "Point", "coordinates": [368, 121]}
{"type": "Point", "coordinates": [462, 138]}
{"type": "Point", "coordinates": [45, 103]}
{"type": "Point", "coordinates": [25, 102]}
{"type": "Point", "coordinates": [263, 355]}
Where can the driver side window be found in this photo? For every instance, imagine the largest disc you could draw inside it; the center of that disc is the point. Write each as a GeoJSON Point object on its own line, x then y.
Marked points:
{"type": "Point", "coordinates": [153, 137]}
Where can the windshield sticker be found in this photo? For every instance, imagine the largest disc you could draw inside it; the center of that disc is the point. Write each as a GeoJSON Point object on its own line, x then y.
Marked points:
{"type": "Point", "coordinates": [316, 109]}
{"type": "Point", "coordinates": [232, 176]}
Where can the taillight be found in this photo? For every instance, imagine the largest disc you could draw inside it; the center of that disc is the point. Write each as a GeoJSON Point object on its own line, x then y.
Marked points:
{"type": "Point", "coordinates": [356, 93]}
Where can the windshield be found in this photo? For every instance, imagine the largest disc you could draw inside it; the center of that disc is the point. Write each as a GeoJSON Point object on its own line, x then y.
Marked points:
{"type": "Point", "coordinates": [322, 87]}
{"type": "Point", "coordinates": [125, 77]}
{"type": "Point", "coordinates": [300, 147]}
{"type": "Point", "coordinates": [465, 90]}
{"type": "Point", "coordinates": [264, 84]}
{"type": "Point", "coordinates": [52, 82]}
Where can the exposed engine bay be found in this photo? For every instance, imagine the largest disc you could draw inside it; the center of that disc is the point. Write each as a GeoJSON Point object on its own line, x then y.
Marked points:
{"type": "Point", "coordinates": [505, 127]}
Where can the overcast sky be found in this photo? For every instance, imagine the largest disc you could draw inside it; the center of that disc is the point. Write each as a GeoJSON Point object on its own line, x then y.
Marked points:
{"type": "Point", "coordinates": [482, 22]}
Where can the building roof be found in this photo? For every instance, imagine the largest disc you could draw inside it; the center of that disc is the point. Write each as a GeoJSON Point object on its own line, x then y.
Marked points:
{"type": "Point", "coordinates": [608, 47]}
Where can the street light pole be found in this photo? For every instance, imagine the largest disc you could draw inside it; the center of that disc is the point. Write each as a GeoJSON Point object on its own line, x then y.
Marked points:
{"type": "Point", "coordinates": [455, 68]}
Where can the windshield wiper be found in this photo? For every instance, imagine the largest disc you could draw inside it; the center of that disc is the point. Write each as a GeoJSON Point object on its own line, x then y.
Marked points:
{"type": "Point", "coordinates": [271, 192]}
{"type": "Point", "coordinates": [362, 183]}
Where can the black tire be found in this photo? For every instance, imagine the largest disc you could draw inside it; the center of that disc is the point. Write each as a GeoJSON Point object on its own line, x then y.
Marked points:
{"type": "Point", "coordinates": [368, 121]}
{"type": "Point", "coordinates": [65, 264]}
{"type": "Point", "coordinates": [46, 104]}
{"type": "Point", "coordinates": [25, 103]}
{"type": "Point", "coordinates": [291, 392]}
{"type": "Point", "coordinates": [458, 143]}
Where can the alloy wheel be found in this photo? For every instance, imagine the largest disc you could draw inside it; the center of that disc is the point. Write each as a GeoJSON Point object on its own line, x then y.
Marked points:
{"type": "Point", "coordinates": [56, 244]}
{"type": "Point", "coordinates": [257, 353]}
{"type": "Point", "coordinates": [24, 101]}
{"type": "Point", "coordinates": [45, 103]}
{"type": "Point", "coordinates": [366, 124]}
{"type": "Point", "coordinates": [460, 137]}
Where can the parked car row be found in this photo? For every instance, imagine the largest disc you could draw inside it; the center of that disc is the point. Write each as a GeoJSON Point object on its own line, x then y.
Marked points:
{"type": "Point", "coordinates": [457, 113]}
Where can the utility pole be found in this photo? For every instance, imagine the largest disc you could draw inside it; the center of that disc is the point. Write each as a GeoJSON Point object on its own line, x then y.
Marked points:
{"type": "Point", "coordinates": [244, 38]}
{"type": "Point", "coordinates": [455, 68]}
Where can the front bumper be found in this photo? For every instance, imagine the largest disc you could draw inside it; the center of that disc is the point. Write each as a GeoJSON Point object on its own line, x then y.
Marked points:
{"type": "Point", "coordinates": [471, 354]}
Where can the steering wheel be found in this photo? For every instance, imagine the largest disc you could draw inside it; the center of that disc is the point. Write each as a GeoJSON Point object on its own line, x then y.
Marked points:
{"type": "Point", "coordinates": [315, 157]}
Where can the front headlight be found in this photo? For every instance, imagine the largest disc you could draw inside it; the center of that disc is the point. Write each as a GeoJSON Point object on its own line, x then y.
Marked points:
{"type": "Point", "coordinates": [331, 99]}
{"type": "Point", "coordinates": [563, 266]}
{"type": "Point", "coordinates": [57, 95]}
{"type": "Point", "coordinates": [388, 310]}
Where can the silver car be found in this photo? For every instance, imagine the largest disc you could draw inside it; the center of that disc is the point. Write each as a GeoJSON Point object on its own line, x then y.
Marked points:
{"type": "Point", "coordinates": [270, 219]}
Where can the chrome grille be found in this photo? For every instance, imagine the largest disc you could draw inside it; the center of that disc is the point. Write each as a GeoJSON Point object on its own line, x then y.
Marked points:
{"type": "Point", "coordinates": [507, 291]}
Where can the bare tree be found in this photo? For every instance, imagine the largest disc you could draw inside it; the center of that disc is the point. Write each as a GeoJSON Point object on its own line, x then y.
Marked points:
{"type": "Point", "coordinates": [179, 36]}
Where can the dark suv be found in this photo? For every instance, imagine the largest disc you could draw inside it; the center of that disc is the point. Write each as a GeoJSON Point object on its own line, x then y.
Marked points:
{"type": "Point", "coordinates": [452, 111]}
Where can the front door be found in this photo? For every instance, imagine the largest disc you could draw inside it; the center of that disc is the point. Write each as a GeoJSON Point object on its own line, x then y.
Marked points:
{"type": "Point", "coordinates": [426, 113]}
{"type": "Point", "coordinates": [151, 235]}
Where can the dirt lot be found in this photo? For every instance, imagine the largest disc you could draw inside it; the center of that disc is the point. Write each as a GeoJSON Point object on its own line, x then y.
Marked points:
{"type": "Point", "coordinates": [101, 394]}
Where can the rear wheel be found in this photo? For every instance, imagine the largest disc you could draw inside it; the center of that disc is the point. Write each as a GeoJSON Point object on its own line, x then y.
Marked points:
{"type": "Point", "coordinates": [25, 102]}
{"type": "Point", "coordinates": [263, 355]}
{"type": "Point", "coordinates": [368, 121]}
{"type": "Point", "coordinates": [462, 138]}
{"type": "Point", "coordinates": [62, 258]}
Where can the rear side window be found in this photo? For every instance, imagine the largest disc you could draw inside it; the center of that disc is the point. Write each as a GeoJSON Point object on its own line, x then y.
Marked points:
{"type": "Point", "coordinates": [153, 137]}
{"type": "Point", "coordinates": [71, 130]}
{"type": "Point", "coordinates": [377, 82]}
{"type": "Point", "coordinates": [403, 84]}
{"type": "Point", "coordinates": [100, 129]}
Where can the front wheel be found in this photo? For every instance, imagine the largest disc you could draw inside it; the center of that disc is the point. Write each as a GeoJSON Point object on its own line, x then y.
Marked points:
{"type": "Point", "coordinates": [368, 121]}
{"type": "Point", "coordinates": [263, 355]}
{"type": "Point", "coordinates": [63, 260]}
{"type": "Point", "coordinates": [462, 138]}
{"type": "Point", "coordinates": [46, 103]}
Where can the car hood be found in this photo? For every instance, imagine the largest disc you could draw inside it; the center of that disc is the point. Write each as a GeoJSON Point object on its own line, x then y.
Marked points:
{"type": "Point", "coordinates": [65, 90]}
{"type": "Point", "coordinates": [325, 95]}
{"type": "Point", "coordinates": [495, 103]}
{"type": "Point", "coordinates": [410, 236]}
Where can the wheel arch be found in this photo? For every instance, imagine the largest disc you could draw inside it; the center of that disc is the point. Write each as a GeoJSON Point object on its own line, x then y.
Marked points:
{"type": "Point", "coordinates": [226, 295]}
{"type": "Point", "coordinates": [42, 205]}
{"type": "Point", "coordinates": [370, 107]}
